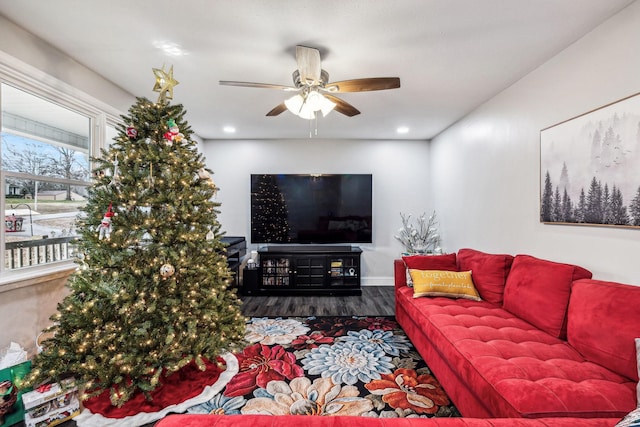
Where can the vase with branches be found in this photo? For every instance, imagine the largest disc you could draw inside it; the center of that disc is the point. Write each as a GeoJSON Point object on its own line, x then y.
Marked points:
{"type": "Point", "coordinates": [420, 236]}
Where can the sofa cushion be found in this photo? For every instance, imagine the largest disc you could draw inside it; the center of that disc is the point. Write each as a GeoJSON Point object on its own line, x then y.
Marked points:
{"type": "Point", "coordinates": [490, 272]}
{"type": "Point", "coordinates": [431, 262]}
{"type": "Point", "coordinates": [538, 291]}
{"type": "Point", "coordinates": [428, 262]}
{"type": "Point", "coordinates": [603, 323]}
{"type": "Point", "coordinates": [442, 283]}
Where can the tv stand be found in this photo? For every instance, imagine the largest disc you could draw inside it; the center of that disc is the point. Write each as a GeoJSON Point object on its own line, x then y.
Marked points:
{"type": "Point", "coordinates": [307, 248]}
{"type": "Point", "coordinates": [305, 270]}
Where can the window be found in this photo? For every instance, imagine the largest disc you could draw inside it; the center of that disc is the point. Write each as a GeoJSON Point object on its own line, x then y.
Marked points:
{"type": "Point", "coordinates": [46, 170]}
{"type": "Point", "coordinates": [111, 134]}
{"type": "Point", "coordinates": [47, 141]}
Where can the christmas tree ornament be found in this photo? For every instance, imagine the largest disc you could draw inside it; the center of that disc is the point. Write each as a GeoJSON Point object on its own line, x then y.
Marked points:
{"type": "Point", "coordinates": [203, 174]}
{"type": "Point", "coordinates": [115, 177]}
{"type": "Point", "coordinates": [167, 270]}
{"type": "Point", "coordinates": [150, 179]}
{"type": "Point", "coordinates": [175, 131]}
{"type": "Point", "coordinates": [132, 132]}
{"type": "Point", "coordinates": [146, 239]}
{"type": "Point", "coordinates": [210, 235]}
{"type": "Point", "coordinates": [168, 138]}
{"type": "Point", "coordinates": [105, 227]}
{"type": "Point", "coordinates": [164, 84]}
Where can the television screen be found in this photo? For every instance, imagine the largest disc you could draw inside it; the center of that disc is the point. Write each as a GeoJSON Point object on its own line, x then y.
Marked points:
{"type": "Point", "coordinates": [314, 208]}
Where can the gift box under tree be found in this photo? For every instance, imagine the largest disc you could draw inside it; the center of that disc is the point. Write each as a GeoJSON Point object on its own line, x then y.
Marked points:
{"type": "Point", "coordinates": [11, 408]}
{"type": "Point", "coordinates": [51, 404]}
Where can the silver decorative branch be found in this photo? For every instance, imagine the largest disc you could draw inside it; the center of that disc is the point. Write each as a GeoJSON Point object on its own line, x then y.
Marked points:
{"type": "Point", "coordinates": [423, 237]}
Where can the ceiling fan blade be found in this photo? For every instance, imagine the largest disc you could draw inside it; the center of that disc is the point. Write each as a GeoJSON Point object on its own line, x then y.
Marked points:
{"type": "Point", "coordinates": [342, 106]}
{"type": "Point", "coordinates": [258, 85]}
{"type": "Point", "coordinates": [309, 65]}
{"type": "Point", "coordinates": [278, 109]}
{"type": "Point", "coordinates": [364, 85]}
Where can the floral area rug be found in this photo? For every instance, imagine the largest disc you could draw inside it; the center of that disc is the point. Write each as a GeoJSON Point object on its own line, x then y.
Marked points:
{"type": "Point", "coordinates": [358, 366]}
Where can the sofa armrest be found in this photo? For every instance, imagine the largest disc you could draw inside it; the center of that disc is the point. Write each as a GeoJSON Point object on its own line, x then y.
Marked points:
{"type": "Point", "coordinates": [399, 273]}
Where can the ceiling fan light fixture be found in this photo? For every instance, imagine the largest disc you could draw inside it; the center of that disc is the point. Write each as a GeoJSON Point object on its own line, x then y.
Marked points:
{"type": "Point", "coordinates": [307, 113]}
{"type": "Point", "coordinates": [305, 106]}
{"type": "Point", "coordinates": [299, 105]}
{"type": "Point", "coordinates": [313, 100]}
{"type": "Point", "coordinates": [326, 105]}
{"type": "Point", "coordinates": [294, 104]}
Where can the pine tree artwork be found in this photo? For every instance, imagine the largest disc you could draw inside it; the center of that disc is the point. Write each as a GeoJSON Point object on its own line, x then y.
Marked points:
{"type": "Point", "coordinates": [152, 292]}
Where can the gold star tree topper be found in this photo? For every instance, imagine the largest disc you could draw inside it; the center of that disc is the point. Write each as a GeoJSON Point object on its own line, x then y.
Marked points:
{"type": "Point", "coordinates": [164, 83]}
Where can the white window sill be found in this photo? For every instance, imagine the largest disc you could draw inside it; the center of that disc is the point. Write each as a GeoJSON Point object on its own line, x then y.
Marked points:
{"type": "Point", "coordinates": [17, 279]}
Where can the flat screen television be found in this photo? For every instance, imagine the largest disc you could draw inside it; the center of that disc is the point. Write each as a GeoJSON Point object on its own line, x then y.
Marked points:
{"type": "Point", "coordinates": [311, 208]}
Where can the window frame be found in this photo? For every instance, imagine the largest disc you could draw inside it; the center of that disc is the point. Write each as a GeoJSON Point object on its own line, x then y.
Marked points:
{"type": "Point", "coordinates": [24, 77]}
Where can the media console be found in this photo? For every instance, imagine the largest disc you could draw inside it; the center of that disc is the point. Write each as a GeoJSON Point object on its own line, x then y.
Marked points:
{"type": "Point", "coordinates": [235, 250]}
{"type": "Point", "coordinates": [305, 270]}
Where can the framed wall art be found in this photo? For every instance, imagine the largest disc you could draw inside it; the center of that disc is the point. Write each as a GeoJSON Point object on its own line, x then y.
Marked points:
{"type": "Point", "coordinates": [590, 167]}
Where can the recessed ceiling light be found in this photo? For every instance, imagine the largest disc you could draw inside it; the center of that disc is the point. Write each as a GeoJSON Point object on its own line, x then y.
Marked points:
{"type": "Point", "coordinates": [402, 130]}
{"type": "Point", "coordinates": [229, 129]}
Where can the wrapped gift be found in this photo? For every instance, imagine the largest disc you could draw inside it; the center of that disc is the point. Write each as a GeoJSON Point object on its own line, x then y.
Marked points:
{"type": "Point", "coordinates": [11, 409]}
{"type": "Point", "coordinates": [51, 404]}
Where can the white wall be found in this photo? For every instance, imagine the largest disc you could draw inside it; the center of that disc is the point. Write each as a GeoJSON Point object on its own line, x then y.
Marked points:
{"type": "Point", "coordinates": [485, 169]}
{"type": "Point", "coordinates": [400, 183]}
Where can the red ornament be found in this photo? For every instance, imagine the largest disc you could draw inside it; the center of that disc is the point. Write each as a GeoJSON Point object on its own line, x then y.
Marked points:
{"type": "Point", "coordinates": [168, 136]}
{"type": "Point", "coordinates": [44, 388]}
{"type": "Point", "coordinates": [132, 132]}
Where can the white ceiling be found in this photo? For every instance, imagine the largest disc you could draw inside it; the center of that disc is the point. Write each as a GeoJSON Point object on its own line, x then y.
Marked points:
{"type": "Point", "coordinates": [451, 55]}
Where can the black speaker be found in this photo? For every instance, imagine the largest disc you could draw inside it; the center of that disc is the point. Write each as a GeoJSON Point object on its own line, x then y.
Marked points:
{"type": "Point", "coordinates": [249, 281]}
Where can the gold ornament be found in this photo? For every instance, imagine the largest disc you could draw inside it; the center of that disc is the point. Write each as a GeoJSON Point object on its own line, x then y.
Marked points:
{"type": "Point", "coordinates": [164, 83]}
{"type": "Point", "coordinates": [167, 270]}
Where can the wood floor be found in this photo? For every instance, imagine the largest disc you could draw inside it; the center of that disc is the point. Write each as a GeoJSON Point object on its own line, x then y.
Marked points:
{"type": "Point", "coordinates": [374, 301]}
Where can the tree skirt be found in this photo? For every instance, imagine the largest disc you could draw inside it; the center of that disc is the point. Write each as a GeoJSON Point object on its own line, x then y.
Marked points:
{"type": "Point", "coordinates": [358, 366]}
{"type": "Point", "coordinates": [180, 391]}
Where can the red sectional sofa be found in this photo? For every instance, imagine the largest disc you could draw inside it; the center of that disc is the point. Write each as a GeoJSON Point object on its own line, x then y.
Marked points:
{"type": "Point", "coordinates": [552, 343]}
{"type": "Point", "coordinates": [546, 346]}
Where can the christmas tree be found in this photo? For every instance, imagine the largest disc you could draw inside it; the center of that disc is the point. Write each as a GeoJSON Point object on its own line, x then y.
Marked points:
{"type": "Point", "coordinates": [269, 212]}
{"type": "Point", "coordinates": [151, 293]}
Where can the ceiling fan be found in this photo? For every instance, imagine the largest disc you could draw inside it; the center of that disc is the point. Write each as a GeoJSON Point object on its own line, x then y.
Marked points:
{"type": "Point", "coordinates": [314, 92]}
